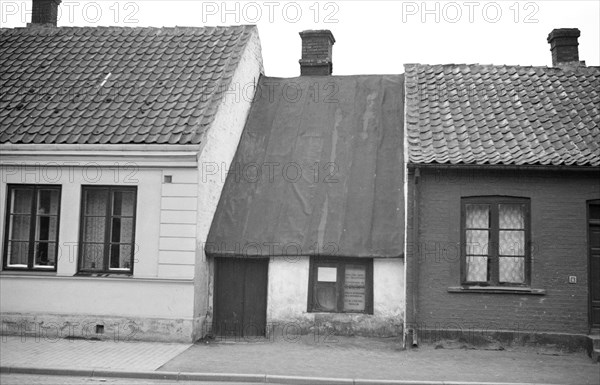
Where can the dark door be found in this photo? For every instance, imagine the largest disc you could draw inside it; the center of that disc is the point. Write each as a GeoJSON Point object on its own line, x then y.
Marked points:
{"type": "Point", "coordinates": [240, 297]}
{"type": "Point", "coordinates": [594, 255]}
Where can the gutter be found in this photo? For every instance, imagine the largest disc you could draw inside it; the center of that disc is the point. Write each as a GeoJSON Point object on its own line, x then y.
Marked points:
{"type": "Point", "coordinates": [38, 148]}
{"type": "Point", "coordinates": [530, 167]}
{"type": "Point", "coordinates": [73, 155]}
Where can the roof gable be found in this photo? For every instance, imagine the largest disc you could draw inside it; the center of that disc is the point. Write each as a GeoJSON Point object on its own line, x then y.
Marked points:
{"type": "Point", "coordinates": [510, 115]}
{"type": "Point", "coordinates": [103, 85]}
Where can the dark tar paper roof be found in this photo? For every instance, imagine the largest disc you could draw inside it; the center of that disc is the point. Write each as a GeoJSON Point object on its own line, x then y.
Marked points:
{"type": "Point", "coordinates": [318, 171]}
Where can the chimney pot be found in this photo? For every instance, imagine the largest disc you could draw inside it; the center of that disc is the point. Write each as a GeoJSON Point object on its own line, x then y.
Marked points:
{"type": "Point", "coordinates": [44, 13]}
{"type": "Point", "coordinates": [317, 47]}
{"type": "Point", "coordinates": [564, 46]}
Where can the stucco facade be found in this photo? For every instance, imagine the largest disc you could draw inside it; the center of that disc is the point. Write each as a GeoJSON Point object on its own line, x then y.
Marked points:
{"type": "Point", "coordinates": [64, 303]}
{"type": "Point", "coordinates": [287, 299]}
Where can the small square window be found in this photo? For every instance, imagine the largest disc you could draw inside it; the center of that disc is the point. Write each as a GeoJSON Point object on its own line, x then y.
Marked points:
{"type": "Point", "coordinates": [341, 285]}
{"type": "Point", "coordinates": [168, 178]}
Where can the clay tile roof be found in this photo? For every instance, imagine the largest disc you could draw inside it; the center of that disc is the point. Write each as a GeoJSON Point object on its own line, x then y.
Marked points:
{"type": "Point", "coordinates": [114, 84]}
{"type": "Point", "coordinates": [509, 115]}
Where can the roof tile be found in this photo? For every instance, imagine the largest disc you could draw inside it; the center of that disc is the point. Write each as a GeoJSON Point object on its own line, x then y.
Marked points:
{"type": "Point", "coordinates": [114, 83]}
{"type": "Point", "coordinates": [483, 114]}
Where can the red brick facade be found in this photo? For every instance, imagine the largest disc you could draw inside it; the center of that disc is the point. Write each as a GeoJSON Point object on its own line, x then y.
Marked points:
{"type": "Point", "coordinates": [559, 241]}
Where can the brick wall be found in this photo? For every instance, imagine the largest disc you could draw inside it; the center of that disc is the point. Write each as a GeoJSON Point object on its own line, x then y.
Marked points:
{"type": "Point", "coordinates": [316, 47]}
{"type": "Point", "coordinates": [558, 231]}
{"type": "Point", "coordinates": [565, 55]}
{"type": "Point", "coordinates": [564, 45]}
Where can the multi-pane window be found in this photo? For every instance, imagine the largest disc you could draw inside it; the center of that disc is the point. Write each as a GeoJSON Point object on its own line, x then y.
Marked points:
{"type": "Point", "coordinates": [341, 285]}
{"type": "Point", "coordinates": [107, 229]}
{"type": "Point", "coordinates": [495, 232]}
{"type": "Point", "coordinates": [32, 216]}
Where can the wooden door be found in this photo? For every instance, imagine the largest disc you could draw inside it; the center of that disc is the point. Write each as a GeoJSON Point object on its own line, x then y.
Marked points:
{"type": "Point", "coordinates": [594, 262]}
{"type": "Point", "coordinates": [240, 297]}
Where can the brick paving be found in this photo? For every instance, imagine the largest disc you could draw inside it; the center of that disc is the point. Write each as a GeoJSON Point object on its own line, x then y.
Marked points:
{"type": "Point", "coordinates": [85, 354]}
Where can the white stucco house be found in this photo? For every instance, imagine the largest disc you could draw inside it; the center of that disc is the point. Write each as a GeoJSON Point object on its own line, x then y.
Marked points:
{"type": "Point", "coordinates": [105, 199]}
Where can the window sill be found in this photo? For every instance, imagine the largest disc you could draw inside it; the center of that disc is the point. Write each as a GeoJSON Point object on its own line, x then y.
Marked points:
{"type": "Point", "coordinates": [28, 272]}
{"type": "Point", "coordinates": [105, 275]}
{"type": "Point", "coordinates": [321, 312]}
{"type": "Point", "coordinates": [496, 290]}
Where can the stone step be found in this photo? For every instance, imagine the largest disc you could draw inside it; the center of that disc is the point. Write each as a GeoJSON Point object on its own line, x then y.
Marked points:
{"type": "Point", "coordinates": [595, 341]}
{"type": "Point", "coordinates": [594, 349]}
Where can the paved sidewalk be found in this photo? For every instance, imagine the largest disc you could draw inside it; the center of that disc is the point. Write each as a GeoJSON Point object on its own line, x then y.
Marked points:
{"type": "Point", "coordinates": [382, 359]}
{"type": "Point", "coordinates": [345, 359]}
{"type": "Point", "coordinates": [85, 354]}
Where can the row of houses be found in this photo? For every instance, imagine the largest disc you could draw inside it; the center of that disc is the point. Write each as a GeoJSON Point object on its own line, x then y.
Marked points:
{"type": "Point", "coordinates": [156, 185]}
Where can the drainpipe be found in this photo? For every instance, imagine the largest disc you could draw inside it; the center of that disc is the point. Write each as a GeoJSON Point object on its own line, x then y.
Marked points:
{"type": "Point", "coordinates": [416, 257]}
{"type": "Point", "coordinates": [412, 259]}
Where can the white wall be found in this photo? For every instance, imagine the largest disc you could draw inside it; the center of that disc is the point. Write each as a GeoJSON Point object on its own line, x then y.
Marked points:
{"type": "Point", "coordinates": [161, 213]}
{"type": "Point", "coordinates": [178, 216]}
{"type": "Point", "coordinates": [161, 288]}
{"type": "Point", "coordinates": [215, 159]}
{"type": "Point", "coordinates": [288, 288]}
{"type": "Point", "coordinates": [288, 293]}
{"type": "Point", "coordinates": [388, 287]}
{"type": "Point", "coordinates": [120, 297]}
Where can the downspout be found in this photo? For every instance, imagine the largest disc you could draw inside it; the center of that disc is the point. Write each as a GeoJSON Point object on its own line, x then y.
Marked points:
{"type": "Point", "coordinates": [407, 239]}
{"type": "Point", "coordinates": [405, 183]}
{"type": "Point", "coordinates": [415, 254]}
{"type": "Point", "coordinates": [411, 257]}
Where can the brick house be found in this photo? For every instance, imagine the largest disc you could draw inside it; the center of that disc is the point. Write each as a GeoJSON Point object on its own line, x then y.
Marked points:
{"type": "Point", "coordinates": [308, 235]}
{"type": "Point", "coordinates": [503, 216]}
{"type": "Point", "coordinates": [104, 209]}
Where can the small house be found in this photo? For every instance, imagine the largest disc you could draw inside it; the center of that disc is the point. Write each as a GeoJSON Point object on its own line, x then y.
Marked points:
{"type": "Point", "coordinates": [308, 235]}
{"type": "Point", "coordinates": [105, 202]}
{"type": "Point", "coordinates": [503, 166]}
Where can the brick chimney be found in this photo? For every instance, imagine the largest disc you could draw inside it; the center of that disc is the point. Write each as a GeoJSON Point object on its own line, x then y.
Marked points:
{"type": "Point", "coordinates": [316, 52]}
{"type": "Point", "coordinates": [44, 13]}
{"type": "Point", "coordinates": [564, 47]}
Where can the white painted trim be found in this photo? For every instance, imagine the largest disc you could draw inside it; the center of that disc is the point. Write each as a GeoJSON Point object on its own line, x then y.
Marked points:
{"type": "Point", "coordinates": [93, 157]}
{"type": "Point", "coordinates": [101, 147]}
{"type": "Point", "coordinates": [107, 280]}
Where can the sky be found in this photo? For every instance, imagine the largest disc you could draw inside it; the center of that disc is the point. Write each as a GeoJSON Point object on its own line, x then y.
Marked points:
{"type": "Point", "coordinates": [372, 37]}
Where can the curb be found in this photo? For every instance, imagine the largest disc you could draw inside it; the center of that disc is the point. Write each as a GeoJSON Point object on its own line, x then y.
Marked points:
{"type": "Point", "coordinates": [234, 377]}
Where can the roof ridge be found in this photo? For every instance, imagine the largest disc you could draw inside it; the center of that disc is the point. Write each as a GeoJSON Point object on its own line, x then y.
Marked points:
{"type": "Point", "coordinates": [137, 29]}
{"type": "Point", "coordinates": [515, 66]}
